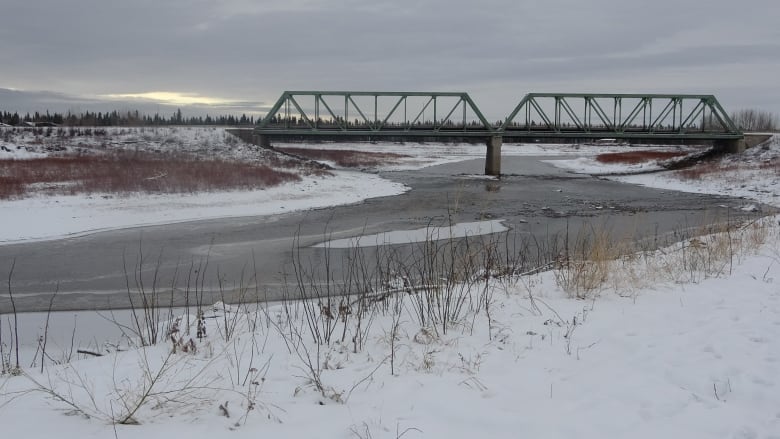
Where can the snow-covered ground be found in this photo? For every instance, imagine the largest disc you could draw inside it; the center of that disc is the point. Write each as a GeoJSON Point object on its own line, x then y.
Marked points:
{"type": "Point", "coordinates": [682, 342]}
{"type": "Point", "coordinates": [50, 217]}
{"type": "Point", "coordinates": [740, 175]}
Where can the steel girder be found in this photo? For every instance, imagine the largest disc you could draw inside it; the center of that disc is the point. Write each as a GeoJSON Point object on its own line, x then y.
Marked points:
{"type": "Point", "coordinates": [402, 114]}
{"type": "Point", "coordinates": [620, 116]}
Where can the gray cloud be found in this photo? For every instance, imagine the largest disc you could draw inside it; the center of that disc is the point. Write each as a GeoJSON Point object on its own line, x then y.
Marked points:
{"type": "Point", "coordinates": [250, 51]}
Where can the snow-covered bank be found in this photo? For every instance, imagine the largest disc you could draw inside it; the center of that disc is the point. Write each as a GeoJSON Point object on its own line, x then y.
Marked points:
{"type": "Point", "coordinates": [695, 360]}
{"type": "Point", "coordinates": [753, 174]}
{"type": "Point", "coordinates": [51, 217]}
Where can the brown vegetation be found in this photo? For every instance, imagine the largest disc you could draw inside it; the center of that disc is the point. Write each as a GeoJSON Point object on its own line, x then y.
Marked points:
{"type": "Point", "coordinates": [635, 157]}
{"type": "Point", "coordinates": [704, 169]}
{"type": "Point", "coordinates": [128, 172]}
{"type": "Point", "coordinates": [346, 158]}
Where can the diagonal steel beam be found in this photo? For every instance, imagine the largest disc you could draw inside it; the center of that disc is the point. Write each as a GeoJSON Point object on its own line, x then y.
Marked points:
{"type": "Point", "coordinates": [341, 124]}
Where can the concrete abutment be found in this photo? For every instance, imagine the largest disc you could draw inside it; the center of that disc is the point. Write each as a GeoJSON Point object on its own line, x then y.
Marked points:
{"type": "Point", "coordinates": [731, 146]}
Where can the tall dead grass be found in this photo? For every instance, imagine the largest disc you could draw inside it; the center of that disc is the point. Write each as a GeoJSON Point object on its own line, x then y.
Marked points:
{"type": "Point", "coordinates": [595, 263]}
{"type": "Point", "coordinates": [583, 267]}
{"type": "Point", "coordinates": [124, 172]}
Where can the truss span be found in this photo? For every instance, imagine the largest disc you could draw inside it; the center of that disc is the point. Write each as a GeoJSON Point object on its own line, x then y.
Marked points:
{"type": "Point", "coordinates": [537, 115]}
{"type": "Point", "coordinates": [625, 116]}
{"type": "Point", "coordinates": [375, 114]}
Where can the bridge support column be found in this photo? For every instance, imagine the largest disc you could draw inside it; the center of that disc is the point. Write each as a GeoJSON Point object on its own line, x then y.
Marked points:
{"type": "Point", "coordinates": [262, 141]}
{"type": "Point", "coordinates": [735, 146]}
{"type": "Point", "coordinates": [493, 157]}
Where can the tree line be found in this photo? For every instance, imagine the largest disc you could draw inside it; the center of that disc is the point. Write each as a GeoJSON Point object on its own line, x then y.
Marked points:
{"type": "Point", "coordinates": [745, 119]}
{"type": "Point", "coordinates": [116, 118]}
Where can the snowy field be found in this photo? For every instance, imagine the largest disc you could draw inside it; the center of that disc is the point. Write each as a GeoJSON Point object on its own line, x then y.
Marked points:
{"type": "Point", "coordinates": [681, 342]}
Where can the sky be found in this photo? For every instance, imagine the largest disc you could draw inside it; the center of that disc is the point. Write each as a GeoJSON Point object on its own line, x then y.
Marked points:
{"type": "Point", "coordinates": [234, 56]}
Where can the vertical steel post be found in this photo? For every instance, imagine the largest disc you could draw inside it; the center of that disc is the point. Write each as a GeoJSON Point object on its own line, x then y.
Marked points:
{"type": "Point", "coordinates": [650, 114]}
{"type": "Point", "coordinates": [287, 113]}
{"type": "Point", "coordinates": [434, 111]}
{"type": "Point", "coordinates": [406, 118]}
{"type": "Point", "coordinates": [463, 101]}
{"type": "Point", "coordinates": [316, 110]}
{"type": "Point", "coordinates": [587, 114]}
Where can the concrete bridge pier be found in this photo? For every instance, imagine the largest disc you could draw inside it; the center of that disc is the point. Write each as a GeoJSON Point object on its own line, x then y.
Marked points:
{"type": "Point", "coordinates": [262, 141]}
{"type": "Point", "coordinates": [493, 157]}
{"type": "Point", "coordinates": [731, 146]}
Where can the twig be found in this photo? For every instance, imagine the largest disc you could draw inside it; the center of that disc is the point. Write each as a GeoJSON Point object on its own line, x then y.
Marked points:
{"type": "Point", "coordinates": [13, 307]}
{"type": "Point", "coordinates": [86, 352]}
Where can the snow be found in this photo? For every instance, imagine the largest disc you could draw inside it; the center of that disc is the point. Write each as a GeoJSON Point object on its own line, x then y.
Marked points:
{"type": "Point", "coordinates": [696, 360]}
{"type": "Point", "coordinates": [663, 349]}
{"type": "Point", "coordinates": [453, 231]}
{"type": "Point", "coordinates": [738, 176]}
{"type": "Point", "coordinates": [52, 217]}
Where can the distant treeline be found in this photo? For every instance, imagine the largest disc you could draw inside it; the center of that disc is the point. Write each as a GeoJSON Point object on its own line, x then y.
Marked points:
{"type": "Point", "coordinates": [745, 119]}
{"type": "Point", "coordinates": [116, 118]}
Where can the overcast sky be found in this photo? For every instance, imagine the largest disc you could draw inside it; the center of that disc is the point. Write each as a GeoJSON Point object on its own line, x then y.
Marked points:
{"type": "Point", "coordinates": [239, 55]}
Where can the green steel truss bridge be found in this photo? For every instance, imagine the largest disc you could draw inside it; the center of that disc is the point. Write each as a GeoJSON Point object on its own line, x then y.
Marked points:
{"type": "Point", "coordinates": [438, 116]}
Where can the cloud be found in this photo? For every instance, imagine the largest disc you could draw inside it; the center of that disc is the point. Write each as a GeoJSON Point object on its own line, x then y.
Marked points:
{"type": "Point", "coordinates": [170, 98]}
{"type": "Point", "coordinates": [251, 51]}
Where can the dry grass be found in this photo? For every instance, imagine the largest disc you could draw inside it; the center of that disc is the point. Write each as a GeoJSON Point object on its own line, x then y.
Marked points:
{"type": "Point", "coordinates": [346, 158]}
{"type": "Point", "coordinates": [584, 267]}
{"type": "Point", "coordinates": [129, 172]}
{"type": "Point", "coordinates": [718, 168]}
{"type": "Point", "coordinates": [597, 264]}
{"type": "Point", "coordinates": [635, 157]}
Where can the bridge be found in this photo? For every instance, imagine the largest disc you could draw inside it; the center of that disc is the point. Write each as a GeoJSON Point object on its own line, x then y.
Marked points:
{"type": "Point", "coordinates": [433, 116]}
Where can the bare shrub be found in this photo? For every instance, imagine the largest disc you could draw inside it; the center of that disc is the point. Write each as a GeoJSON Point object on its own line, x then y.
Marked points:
{"type": "Point", "coordinates": [750, 119]}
